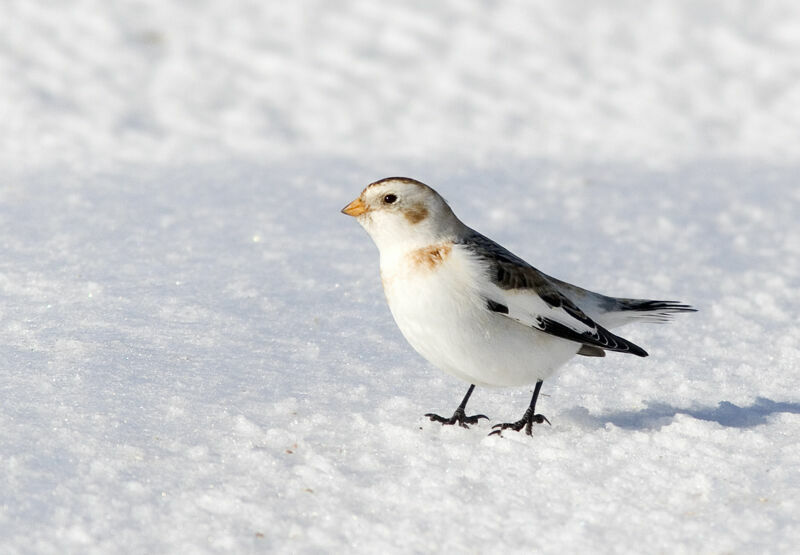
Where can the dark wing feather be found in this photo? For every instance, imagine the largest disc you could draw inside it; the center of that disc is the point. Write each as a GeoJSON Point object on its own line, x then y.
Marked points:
{"type": "Point", "coordinates": [601, 338]}
{"type": "Point", "coordinates": [508, 272]}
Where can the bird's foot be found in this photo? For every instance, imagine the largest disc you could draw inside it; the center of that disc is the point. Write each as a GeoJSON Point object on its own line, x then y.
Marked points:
{"type": "Point", "coordinates": [458, 418]}
{"type": "Point", "coordinates": [526, 422]}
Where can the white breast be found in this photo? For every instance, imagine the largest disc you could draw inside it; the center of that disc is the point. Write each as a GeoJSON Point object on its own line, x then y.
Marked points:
{"type": "Point", "coordinates": [434, 295]}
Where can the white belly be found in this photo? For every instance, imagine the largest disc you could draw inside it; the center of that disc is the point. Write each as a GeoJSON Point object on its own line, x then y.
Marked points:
{"type": "Point", "coordinates": [446, 320]}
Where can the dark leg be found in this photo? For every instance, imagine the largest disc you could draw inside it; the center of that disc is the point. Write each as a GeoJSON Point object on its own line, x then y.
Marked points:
{"type": "Point", "coordinates": [459, 416]}
{"type": "Point", "coordinates": [527, 420]}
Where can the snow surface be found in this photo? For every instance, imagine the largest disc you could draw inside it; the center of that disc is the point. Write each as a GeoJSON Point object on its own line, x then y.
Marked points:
{"type": "Point", "coordinates": [195, 352]}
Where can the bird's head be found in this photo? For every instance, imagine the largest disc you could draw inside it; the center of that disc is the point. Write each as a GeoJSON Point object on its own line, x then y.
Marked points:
{"type": "Point", "coordinates": [403, 213]}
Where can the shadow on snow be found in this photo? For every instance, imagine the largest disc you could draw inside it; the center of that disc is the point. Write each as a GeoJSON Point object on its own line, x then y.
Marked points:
{"type": "Point", "coordinates": [657, 415]}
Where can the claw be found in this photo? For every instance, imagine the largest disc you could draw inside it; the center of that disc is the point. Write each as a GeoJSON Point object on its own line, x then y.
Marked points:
{"type": "Point", "coordinates": [541, 419]}
{"type": "Point", "coordinates": [527, 419]}
{"type": "Point", "coordinates": [526, 422]}
{"type": "Point", "coordinates": [458, 418]}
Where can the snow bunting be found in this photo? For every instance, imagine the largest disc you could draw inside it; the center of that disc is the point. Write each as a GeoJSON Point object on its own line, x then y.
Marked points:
{"type": "Point", "coordinates": [479, 312]}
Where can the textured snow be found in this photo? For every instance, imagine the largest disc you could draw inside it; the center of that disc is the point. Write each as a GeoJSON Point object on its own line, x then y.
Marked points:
{"type": "Point", "coordinates": [195, 351]}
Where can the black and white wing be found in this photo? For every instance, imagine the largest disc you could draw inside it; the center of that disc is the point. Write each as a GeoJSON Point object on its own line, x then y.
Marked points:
{"type": "Point", "coordinates": [523, 293]}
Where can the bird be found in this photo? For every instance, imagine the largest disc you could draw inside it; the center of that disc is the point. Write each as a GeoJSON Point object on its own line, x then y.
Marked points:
{"type": "Point", "coordinates": [477, 311]}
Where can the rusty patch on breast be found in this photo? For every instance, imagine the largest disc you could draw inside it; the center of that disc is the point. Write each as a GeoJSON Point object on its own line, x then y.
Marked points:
{"type": "Point", "coordinates": [415, 214]}
{"type": "Point", "coordinates": [431, 257]}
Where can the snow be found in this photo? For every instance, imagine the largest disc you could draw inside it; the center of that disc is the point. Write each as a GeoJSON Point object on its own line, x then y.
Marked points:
{"type": "Point", "coordinates": [195, 351]}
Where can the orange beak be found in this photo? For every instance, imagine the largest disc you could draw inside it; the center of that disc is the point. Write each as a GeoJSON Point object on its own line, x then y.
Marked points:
{"type": "Point", "coordinates": [355, 208]}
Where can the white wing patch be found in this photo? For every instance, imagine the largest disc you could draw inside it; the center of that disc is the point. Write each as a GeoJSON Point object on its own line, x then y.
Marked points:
{"type": "Point", "coordinates": [513, 288]}
{"type": "Point", "coordinates": [566, 320]}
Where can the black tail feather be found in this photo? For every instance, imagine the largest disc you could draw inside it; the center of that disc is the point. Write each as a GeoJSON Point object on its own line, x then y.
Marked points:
{"type": "Point", "coordinates": [656, 306]}
{"type": "Point", "coordinates": [654, 311]}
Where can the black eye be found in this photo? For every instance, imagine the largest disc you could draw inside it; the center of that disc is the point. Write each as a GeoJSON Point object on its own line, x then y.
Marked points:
{"type": "Point", "coordinates": [390, 198]}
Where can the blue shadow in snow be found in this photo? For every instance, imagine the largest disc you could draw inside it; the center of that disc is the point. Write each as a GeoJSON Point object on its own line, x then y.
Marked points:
{"type": "Point", "coordinates": [657, 415]}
